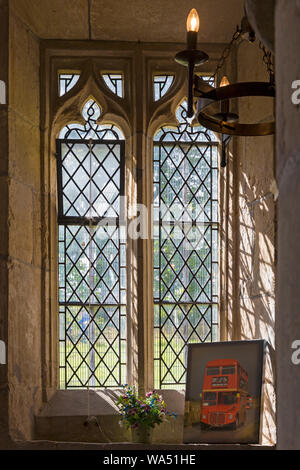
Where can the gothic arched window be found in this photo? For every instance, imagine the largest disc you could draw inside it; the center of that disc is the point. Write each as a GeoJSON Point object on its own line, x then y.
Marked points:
{"type": "Point", "coordinates": [185, 247]}
{"type": "Point", "coordinates": [92, 253]}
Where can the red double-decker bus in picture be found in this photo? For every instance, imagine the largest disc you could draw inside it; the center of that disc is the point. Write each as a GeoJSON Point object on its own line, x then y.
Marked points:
{"type": "Point", "coordinates": [224, 398]}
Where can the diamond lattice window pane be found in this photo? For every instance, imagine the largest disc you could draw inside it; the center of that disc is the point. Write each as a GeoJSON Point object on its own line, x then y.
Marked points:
{"type": "Point", "coordinates": [185, 246]}
{"type": "Point", "coordinates": [92, 254]}
{"type": "Point", "coordinates": [91, 179]}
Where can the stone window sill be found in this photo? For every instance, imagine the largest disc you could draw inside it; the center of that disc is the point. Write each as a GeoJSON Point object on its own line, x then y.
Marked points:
{"type": "Point", "coordinates": [63, 424]}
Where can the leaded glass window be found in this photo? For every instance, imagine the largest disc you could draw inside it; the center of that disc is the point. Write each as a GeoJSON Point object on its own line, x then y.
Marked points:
{"type": "Point", "coordinates": [185, 246]}
{"type": "Point", "coordinates": [92, 253]}
{"type": "Point", "coordinates": [210, 79]}
{"type": "Point", "coordinates": [67, 81]}
{"type": "Point", "coordinates": [114, 81]}
{"type": "Point", "coordinates": [161, 84]}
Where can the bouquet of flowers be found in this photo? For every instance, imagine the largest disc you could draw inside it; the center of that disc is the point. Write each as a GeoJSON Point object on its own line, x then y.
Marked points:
{"type": "Point", "coordinates": [141, 412]}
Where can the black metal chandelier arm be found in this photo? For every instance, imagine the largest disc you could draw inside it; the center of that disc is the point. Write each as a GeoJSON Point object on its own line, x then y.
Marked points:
{"type": "Point", "coordinates": [225, 139]}
{"type": "Point", "coordinates": [238, 90]}
{"type": "Point", "coordinates": [211, 99]}
{"type": "Point", "coordinates": [191, 58]}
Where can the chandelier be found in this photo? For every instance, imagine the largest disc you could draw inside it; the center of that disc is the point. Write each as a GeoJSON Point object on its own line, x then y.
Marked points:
{"type": "Point", "coordinates": [209, 98]}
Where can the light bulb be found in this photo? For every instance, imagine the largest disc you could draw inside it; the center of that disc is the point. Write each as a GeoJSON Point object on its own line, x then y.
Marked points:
{"type": "Point", "coordinates": [224, 81]}
{"type": "Point", "coordinates": [193, 22]}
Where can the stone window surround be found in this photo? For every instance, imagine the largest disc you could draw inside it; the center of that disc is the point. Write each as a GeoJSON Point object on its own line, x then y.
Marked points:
{"type": "Point", "coordinates": [139, 62]}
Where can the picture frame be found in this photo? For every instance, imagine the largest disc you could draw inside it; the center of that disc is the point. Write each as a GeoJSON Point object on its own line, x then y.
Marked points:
{"type": "Point", "coordinates": [224, 392]}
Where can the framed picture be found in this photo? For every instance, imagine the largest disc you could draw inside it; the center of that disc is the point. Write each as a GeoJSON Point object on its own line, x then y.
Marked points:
{"type": "Point", "coordinates": [223, 401]}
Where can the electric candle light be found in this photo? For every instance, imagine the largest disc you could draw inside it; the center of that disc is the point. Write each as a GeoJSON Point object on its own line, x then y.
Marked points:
{"type": "Point", "coordinates": [191, 57]}
{"type": "Point", "coordinates": [224, 108]}
{"type": "Point", "coordinates": [224, 81]}
{"type": "Point", "coordinates": [225, 103]}
{"type": "Point", "coordinates": [192, 27]}
{"type": "Point", "coordinates": [193, 22]}
{"type": "Point", "coordinates": [225, 115]}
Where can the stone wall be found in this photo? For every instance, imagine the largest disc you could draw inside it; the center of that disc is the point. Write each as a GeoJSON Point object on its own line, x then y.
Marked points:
{"type": "Point", "coordinates": [3, 219]}
{"type": "Point", "coordinates": [287, 40]}
{"type": "Point", "coordinates": [255, 216]}
{"type": "Point", "coordinates": [24, 222]}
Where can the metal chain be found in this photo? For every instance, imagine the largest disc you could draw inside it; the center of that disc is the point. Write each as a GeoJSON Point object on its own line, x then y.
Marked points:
{"type": "Point", "coordinates": [267, 59]}
{"type": "Point", "coordinates": [227, 50]}
{"type": "Point", "coordinates": [267, 55]}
